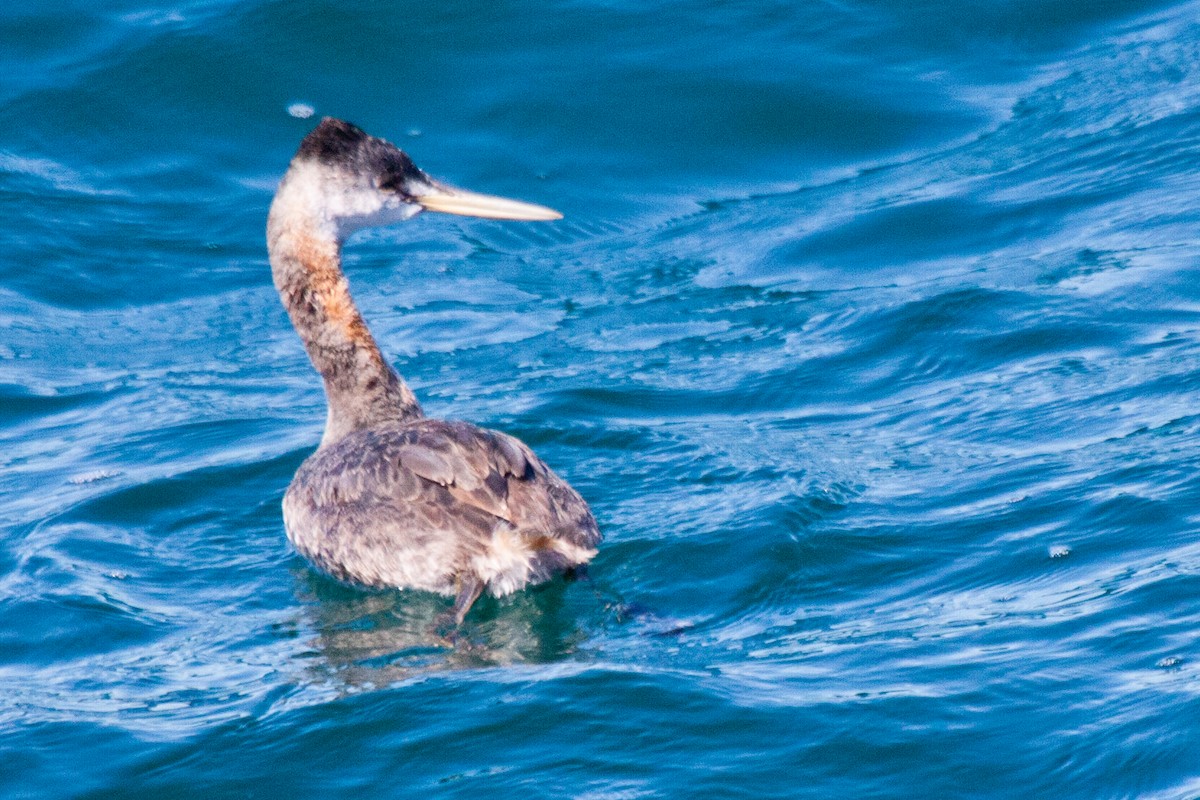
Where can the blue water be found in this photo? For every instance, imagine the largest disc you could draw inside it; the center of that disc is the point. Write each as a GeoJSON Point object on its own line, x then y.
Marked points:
{"type": "Point", "coordinates": [871, 334]}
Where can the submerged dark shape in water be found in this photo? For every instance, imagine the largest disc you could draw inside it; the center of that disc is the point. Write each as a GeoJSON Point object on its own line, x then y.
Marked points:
{"type": "Point", "coordinates": [392, 498]}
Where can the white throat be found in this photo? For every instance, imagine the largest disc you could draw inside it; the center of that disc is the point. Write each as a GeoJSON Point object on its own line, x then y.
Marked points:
{"type": "Point", "coordinates": [336, 202]}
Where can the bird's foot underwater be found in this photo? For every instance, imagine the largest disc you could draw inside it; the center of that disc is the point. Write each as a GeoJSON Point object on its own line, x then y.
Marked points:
{"type": "Point", "coordinates": [652, 623]}
{"type": "Point", "coordinates": [445, 631]}
{"type": "Point", "coordinates": [448, 625]}
{"type": "Point", "coordinates": [624, 612]}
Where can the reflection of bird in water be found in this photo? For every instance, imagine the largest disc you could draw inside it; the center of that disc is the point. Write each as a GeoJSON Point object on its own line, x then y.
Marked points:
{"type": "Point", "coordinates": [376, 638]}
{"type": "Point", "coordinates": [392, 498]}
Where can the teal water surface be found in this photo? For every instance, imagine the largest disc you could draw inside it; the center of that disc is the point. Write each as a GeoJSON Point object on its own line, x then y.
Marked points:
{"type": "Point", "coordinates": [871, 334]}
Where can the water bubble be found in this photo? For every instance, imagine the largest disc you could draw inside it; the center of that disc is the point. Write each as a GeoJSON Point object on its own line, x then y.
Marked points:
{"type": "Point", "coordinates": [301, 110]}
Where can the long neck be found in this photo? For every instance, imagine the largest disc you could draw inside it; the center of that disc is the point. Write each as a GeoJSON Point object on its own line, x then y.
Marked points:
{"type": "Point", "coordinates": [362, 390]}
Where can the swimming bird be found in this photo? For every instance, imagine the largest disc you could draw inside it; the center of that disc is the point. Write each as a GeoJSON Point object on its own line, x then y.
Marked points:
{"type": "Point", "coordinates": [390, 497]}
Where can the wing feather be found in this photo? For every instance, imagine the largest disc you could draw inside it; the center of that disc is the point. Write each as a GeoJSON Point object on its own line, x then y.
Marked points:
{"type": "Point", "coordinates": [418, 466]}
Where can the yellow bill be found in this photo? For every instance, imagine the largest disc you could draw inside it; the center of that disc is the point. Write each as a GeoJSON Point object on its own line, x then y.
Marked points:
{"type": "Point", "coordinates": [449, 200]}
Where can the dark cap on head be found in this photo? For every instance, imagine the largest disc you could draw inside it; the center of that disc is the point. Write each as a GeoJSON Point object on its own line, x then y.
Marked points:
{"type": "Point", "coordinates": [332, 140]}
{"type": "Point", "coordinates": [338, 143]}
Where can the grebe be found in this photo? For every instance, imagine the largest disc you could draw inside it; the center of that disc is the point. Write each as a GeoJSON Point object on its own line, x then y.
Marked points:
{"type": "Point", "coordinates": [392, 498]}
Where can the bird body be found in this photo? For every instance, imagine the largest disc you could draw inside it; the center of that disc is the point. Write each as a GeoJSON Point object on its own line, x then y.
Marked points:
{"type": "Point", "coordinates": [392, 498]}
{"type": "Point", "coordinates": [431, 504]}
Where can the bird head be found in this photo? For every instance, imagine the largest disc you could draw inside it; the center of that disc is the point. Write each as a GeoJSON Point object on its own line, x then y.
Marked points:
{"type": "Point", "coordinates": [356, 181]}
